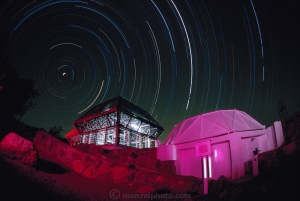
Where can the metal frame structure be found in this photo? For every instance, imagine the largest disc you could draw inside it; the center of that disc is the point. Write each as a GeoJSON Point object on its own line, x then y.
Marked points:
{"type": "Point", "coordinates": [116, 122]}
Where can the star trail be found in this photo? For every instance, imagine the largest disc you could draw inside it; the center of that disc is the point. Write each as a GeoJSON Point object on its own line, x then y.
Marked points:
{"type": "Point", "coordinates": [174, 58]}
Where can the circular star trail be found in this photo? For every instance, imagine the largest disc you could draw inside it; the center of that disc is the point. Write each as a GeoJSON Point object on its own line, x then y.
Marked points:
{"type": "Point", "coordinates": [173, 58]}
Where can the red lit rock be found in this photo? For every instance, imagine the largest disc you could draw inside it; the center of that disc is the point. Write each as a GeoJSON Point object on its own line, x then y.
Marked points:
{"type": "Point", "coordinates": [160, 183]}
{"type": "Point", "coordinates": [78, 167]}
{"type": "Point", "coordinates": [159, 179]}
{"type": "Point", "coordinates": [122, 166]}
{"type": "Point", "coordinates": [88, 160]}
{"type": "Point", "coordinates": [103, 170]}
{"type": "Point", "coordinates": [167, 166]}
{"type": "Point", "coordinates": [119, 174]}
{"type": "Point", "coordinates": [143, 176]}
{"type": "Point", "coordinates": [52, 149]}
{"type": "Point", "coordinates": [146, 190]}
{"type": "Point", "coordinates": [16, 147]}
{"type": "Point", "coordinates": [89, 173]}
{"type": "Point", "coordinates": [142, 161]}
{"type": "Point", "coordinates": [90, 148]}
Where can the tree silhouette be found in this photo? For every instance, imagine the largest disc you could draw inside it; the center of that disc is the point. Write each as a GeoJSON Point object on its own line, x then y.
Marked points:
{"type": "Point", "coordinates": [16, 93]}
{"type": "Point", "coordinates": [55, 131]}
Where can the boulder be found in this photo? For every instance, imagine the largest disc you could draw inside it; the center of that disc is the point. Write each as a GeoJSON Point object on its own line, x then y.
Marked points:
{"type": "Point", "coordinates": [160, 182]}
{"type": "Point", "coordinates": [119, 166]}
{"type": "Point", "coordinates": [120, 174]}
{"type": "Point", "coordinates": [146, 190]}
{"type": "Point", "coordinates": [159, 179]}
{"type": "Point", "coordinates": [103, 170]}
{"type": "Point", "coordinates": [167, 166]}
{"type": "Point", "coordinates": [143, 161]}
{"type": "Point", "coordinates": [16, 147]}
{"type": "Point", "coordinates": [89, 173]}
{"type": "Point", "coordinates": [143, 176]}
{"type": "Point", "coordinates": [52, 149]}
{"type": "Point", "coordinates": [90, 148]}
{"type": "Point", "coordinates": [78, 167]}
{"type": "Point", "coordinates": [180, 186]}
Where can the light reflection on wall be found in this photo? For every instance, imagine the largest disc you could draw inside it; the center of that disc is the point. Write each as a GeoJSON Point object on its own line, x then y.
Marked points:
{"type": "Point", "coordinates": [218, 155]}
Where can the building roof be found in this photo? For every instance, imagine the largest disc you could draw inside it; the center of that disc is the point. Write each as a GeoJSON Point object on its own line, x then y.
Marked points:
{"type": "Point", "coordinates": [118, 103]}
{"type": "Point", "coordinates": [72, 132]}
{"type": "Point", "coordinates": [212, 124]}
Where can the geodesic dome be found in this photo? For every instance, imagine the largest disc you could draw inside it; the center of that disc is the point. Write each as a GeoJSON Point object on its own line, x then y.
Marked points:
{"type": "Point", "coordinates": [212, 124]}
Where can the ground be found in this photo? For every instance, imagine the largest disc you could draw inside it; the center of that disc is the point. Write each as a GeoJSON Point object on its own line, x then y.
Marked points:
{"type": "Point", "coordinates": [49, 182]}
{"type": "Point", "coordinates": [45, 183]}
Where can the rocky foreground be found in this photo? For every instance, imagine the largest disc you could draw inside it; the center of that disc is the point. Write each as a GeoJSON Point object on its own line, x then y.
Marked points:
{"type": "Point", "coordinates": [48, 169]}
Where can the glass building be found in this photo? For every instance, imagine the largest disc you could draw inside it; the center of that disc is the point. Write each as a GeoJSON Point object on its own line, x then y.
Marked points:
{"type": "Point", "coordinates": [116, 122]}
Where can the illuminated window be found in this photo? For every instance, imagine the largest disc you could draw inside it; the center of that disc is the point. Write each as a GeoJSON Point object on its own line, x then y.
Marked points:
{"type": "Point", "coordinates": [110, 136]}
{"type": "Point", "coordinates": [112, 117]}
{"type": "Point", "coordinates": [124, 119]}
{"type": "Point", "coordinates": [127, 137]}
{"type": "Point", "coordinates": [91, 138]}
{"type": "Point", "coordinates": [134, 124]}
{"type": "Point", "coordinates": [146, 139]}
{"type": "Point", "coordinates": [135, 140]}
{"type": "Point", "coordinates": [94, 124]}
{"type": "Point", "coordinates": [124, 138]}
{"type": "Point", "coordinates": [144, 128]}
{"type": "Point", "coordinates": [100, 139]}
{"type": "Point", "coordinates": [103, 121]}
{"type": "Point", "coordinates": [84, 139]}
{"type": "Point", "coordinates": [153, 131]}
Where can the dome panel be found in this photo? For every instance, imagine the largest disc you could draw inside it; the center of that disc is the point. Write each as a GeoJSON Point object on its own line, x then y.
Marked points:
{"type": "Point", "coordinates": [252, 123]}
{"type": "Point", "coordinates": [195, 127]}
{"type": "Point", "coordinates": [211, 116]}
{"type": "Point", "coordinates": [173, 134]}
{"type": "Point", "coordinates": [186, 136]}
{"type": "Point", "coordinates": [211, 125]}
{"type": "Point", "coordinates": [228, 116]}
{"type": "Point", "coordinates": [187, 123]}
{"type": "Point", "coordinates": [206, 126]}
{"type": "Point", "coordinates": [239, 123]}
{"type": "Point", "coordinates": [222, 122]}
{"type": "Point", "coordinates": [215, 130]}
{"type": "Point", "coordinates": [211, 129]}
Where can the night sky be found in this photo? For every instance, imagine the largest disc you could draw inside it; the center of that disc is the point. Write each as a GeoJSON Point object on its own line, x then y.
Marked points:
{"type": "Point", "coordinates": [174, 58]}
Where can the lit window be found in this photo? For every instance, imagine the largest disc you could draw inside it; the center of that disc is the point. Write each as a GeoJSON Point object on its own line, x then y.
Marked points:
{"type": "Point", "coordinates": [134, 124]}
{"type": "Point", "coordinates": [110, 136]}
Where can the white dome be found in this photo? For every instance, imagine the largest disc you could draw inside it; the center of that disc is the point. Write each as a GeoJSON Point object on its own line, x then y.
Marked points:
{"type": "Point", "coordinates": [212, 124]}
